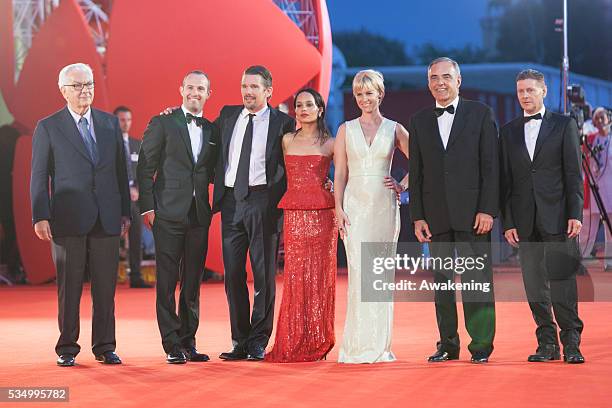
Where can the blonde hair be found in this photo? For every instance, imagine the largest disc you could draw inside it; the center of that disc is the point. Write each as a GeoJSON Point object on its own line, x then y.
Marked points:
{"type": "Point", "coordinates": [369, 79]}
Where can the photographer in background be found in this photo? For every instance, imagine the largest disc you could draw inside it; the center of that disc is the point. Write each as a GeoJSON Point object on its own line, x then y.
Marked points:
{"type": "Point", "coordinates": [598, 138]}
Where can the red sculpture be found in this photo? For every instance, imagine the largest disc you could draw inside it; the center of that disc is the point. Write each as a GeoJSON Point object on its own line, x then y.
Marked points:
{"type": "Point", "coordinates": [151, 46]}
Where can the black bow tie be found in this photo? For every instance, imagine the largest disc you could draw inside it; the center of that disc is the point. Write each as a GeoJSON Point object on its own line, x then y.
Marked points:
{"type": "Point", "coordinates": [198, 120]}
{"type": "Point", "coordinates": [537, 116]}
{"type": "Point", "coordinates": [440, 111]}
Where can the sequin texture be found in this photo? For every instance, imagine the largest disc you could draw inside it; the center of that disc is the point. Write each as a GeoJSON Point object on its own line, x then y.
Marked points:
{"type": "Point", "coordinates": [305, 327]}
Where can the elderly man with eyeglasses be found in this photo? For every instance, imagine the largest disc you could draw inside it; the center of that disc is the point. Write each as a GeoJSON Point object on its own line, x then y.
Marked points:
{"type": "Point", "coordinates": [81, 204]}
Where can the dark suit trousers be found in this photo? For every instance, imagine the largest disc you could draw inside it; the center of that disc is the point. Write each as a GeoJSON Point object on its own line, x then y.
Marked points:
{"type": "Point", "coordinates": [135, 237]}
{"type": "Point", "coordinates": [543, 259]}
{"type": "Point", "coordinates": [180, 249]}
{"type": "Point", "coordinates": [99, 253]}
{"type": "Point", "coordinates": [478, 306]}
{"type": "Point", "coordinates": [246, 225]}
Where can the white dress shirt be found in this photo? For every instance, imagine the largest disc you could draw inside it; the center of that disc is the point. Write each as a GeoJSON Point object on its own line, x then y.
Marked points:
{"type": "Point", "coordinates": [126, 141]}
{"type": "Point", "coordinates": [195, 134]}
{"type": "Point", "coordinates": [445, 121]}
{"type": "Point", "coordinates": [532, 128]}
{"type": "Point", "coordinates": [257, 167]}
{"type": "Point", "coordinates": [87, 116]}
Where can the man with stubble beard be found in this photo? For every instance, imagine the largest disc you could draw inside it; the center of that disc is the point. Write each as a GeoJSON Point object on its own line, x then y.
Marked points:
{"type": "Point", "coordinates": [249, 183]}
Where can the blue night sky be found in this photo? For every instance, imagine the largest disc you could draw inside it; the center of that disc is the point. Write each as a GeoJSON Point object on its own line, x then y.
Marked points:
{"type": "Point", "coordinates": [445, 23]}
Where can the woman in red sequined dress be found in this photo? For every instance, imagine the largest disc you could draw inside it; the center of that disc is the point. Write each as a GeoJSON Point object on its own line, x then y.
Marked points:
{"type": "Point", "coordinates": [305, 328]}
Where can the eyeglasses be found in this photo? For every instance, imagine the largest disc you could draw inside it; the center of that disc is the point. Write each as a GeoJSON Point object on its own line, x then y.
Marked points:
{"type": "Point", "coordinates": [79, 87]}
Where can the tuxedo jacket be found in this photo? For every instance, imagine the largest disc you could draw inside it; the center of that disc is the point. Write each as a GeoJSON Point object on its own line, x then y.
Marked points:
{"type": "Point", "coordinates": [167, 173]}
{"type": "Point", "coordinates": [449, 186]}
{"type": "Point", "coordinates": [66, 187]}
{"type": "Point", "coordinates": [550, 185]}
{"type": "Point", "coordinates": [280, 124]}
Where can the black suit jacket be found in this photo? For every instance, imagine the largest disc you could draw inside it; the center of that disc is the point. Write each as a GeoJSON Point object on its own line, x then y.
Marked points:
{"type": "Point", "coordinates": [66, 188]}
{"type": "Point", "coordinates": [448, 187]}
{"type": "Point", "coordinates": [551, 183]}
{"type": "Point", "coordinates": [280, 124]}
{"type": "Point", "coordinates": [167, 173]}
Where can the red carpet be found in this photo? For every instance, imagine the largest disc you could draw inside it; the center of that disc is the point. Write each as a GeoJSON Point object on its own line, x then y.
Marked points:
{"type": "Point", "coordinates": [28, 331]}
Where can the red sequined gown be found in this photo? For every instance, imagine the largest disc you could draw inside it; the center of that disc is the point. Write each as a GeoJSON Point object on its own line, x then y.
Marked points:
{"type": "Point", "coordinates": [305, 327]}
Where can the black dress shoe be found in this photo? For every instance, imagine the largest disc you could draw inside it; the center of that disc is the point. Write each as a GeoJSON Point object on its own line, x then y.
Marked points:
{"type": "Point", "coordinates": [256, 353]}
{"type": "Point", "coordinates": [548, 352]}
{"type": "Point", "coordinates": [108, 357]}
{"type": "Point", "coordinates": [66, 360]}
{"type": "Point", "coordinates": [479, 357]}
{"type": "Point", "coordinates": [442, 355]}
{"type": "Point", "coordinates": [234, 355]}
{"type": "Point", "coordinates": [192, 355]}
{"type": "Point", "coordinates": [572, 355]}
{"type": "Point", "coordinates": [176, 357]}
{"type": "Point", "coordinates": [140, 284]}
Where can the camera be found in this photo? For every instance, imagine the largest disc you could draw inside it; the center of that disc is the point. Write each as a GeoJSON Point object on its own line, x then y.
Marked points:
{"type": "Point", "coordinates": [579, 108]}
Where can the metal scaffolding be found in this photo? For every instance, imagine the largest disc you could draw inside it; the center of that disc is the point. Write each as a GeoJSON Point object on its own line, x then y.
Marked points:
{"type": "Point", "coordinates": [28, 16]}
{"type": "Point", "coordinates": [302, 13]}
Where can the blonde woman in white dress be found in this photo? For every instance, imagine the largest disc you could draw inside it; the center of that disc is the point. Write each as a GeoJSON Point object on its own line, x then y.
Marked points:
{"type": "Point", "coordinates": [367, 211]}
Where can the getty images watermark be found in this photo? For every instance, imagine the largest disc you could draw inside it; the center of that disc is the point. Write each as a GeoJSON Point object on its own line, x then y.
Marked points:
{"type": "Point", "coordinates": [411, 275]}
{"type": "Point", "coordinates": [411, 272]}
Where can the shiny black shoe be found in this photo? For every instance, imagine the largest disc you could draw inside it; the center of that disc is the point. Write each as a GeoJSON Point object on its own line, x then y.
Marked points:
{"type": "Point", "coordinates": [66, 360]}
{"type": "Point", "coordinates": [256, 353]}
{"type": "Point", "coordinates": [234, 355]}
{"type": "Point", "coordinates": [192, 355]}
{"type": "Point", "coordinates": [572, 355]}
{"type": "Point", "coordinates": [547, 352]}
{"type": "Point", "coordinates": [108, 357]}
{"type": "Point", "coordinates": [442, 355]}
{"type": "Point", "coordinates": [479, 357]}
{"type": "Point", "coordinates": [176, 357]}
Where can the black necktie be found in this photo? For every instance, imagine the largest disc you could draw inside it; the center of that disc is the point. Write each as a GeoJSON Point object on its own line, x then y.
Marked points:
{"type": "Point", "coordinates": [537, 116]}
{"type": "Point", "coordinates": [198, 120]}
{"type": "Point", "coordinates": [440, 111]}
{"type": "Point", "coordinates": [241, 185]}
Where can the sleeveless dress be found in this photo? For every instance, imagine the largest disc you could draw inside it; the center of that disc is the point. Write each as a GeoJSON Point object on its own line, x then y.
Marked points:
{"type": "Point", "coordinates": [305, 328]}
{"type": "Point", "coordinates": [373, 214]}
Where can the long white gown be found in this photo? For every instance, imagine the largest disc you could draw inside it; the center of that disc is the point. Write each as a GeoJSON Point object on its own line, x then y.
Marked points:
{"type": "Point", "coordinates": [374, 217]}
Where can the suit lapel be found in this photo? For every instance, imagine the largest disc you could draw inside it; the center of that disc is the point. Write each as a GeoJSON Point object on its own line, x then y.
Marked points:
{"type": "Point", "coordinates": [181, 124]}
{"type": "Point", "coordinates": [519, 140]}
{"type": "Point", "coordinates": [433, 129]}
{"type": "Point", "coordinates": [273, 132]}
{"type": "Point", "coordinates": [69, 129]}
{"type": "Point", "coordinates": [458, 123]}
{"type": "Point", "coordinates": [206, 131]}
{"type": "Point", "coordinates": [545, 129]}
{"type": "Point", "coordinates": [104, 137]}
{"type": "Point", "coordinates": [227, 133]}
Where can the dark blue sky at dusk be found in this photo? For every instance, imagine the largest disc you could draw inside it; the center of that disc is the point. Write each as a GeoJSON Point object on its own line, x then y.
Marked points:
{"type": "Point", "coordinates": [445, 23]}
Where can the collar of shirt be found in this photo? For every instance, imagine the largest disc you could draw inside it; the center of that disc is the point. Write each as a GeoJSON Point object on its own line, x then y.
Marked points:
{"type": "Point", "coordinates": [541, 112]}
{"type": "Point", "coordinates": [126, 137]}
{"type": "Point", "coordinates": [199, 114]}
{"type": "Point", "coordinates": [262, 114]}
{"type": "Point", "coordinates": [455, 102]}
{"type": "Point", "coordinates": [78, 117]}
